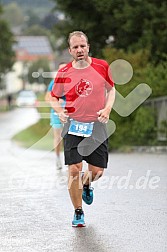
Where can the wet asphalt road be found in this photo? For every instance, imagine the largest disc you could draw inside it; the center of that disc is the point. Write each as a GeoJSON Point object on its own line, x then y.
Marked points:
{"type": "Point", "coordinates": [129, 212]}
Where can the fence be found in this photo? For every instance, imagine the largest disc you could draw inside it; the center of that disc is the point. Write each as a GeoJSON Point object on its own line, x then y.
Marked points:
{"type": "Point", "coordinates": [159, 105]}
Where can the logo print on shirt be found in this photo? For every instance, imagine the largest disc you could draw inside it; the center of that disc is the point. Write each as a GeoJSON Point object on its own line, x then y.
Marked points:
{"type": "Point", "coordinates": [84, 88]}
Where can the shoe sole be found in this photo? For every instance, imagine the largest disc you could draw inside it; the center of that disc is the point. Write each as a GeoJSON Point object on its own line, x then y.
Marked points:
{"type": "Point", "coordinates": [78, 225]}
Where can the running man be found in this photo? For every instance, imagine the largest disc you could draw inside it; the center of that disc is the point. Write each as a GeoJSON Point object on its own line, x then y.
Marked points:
{"type": "Point", "coordinates": [89, 90]}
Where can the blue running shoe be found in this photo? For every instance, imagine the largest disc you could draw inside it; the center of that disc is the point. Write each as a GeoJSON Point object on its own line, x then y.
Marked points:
{"type": "Point", "coordinates": [87, 194]}
{"type": "Point", "coordinates": [78, 220]}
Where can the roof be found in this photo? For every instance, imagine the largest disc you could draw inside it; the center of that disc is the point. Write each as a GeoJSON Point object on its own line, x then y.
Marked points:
{"type": "Point", "coordinates": [38, 45]}
{"type": "Point", "coordinates": [32, 48]}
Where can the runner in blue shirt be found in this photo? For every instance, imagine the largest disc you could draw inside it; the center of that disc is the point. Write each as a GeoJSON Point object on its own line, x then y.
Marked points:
{"type": "Point", "coordinates": [56, 123]}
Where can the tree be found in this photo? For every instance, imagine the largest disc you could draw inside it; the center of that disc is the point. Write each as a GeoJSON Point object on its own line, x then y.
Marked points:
{"type": "Point", "coordinates": [32, 18]}
{"type": "Point", "coordinates": [36, 30]}
{"type": "Point", "coordinates": [13, 14]}
{"type": "Point", "coordinates": [6, 42]}
{"type": "Point", "coordinates": [49, 21]}
{"type": "Point", "coordinates": [144, 126]}
{"type": "Point", "coordinates": [133, 24]}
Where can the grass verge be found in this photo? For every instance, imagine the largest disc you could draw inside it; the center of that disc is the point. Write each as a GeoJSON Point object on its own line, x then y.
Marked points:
{"type": "Point", "coordinates": [38, 136]}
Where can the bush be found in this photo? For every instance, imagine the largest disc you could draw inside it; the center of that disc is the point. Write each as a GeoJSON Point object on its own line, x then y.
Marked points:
{"type": "Point", "coordinates": [143, 127]}
{"type": "Point", "coordinates": [140, 127]}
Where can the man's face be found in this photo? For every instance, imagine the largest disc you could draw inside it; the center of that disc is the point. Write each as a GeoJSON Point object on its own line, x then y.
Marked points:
{"type": "Point", "coordinates": [79, 48]}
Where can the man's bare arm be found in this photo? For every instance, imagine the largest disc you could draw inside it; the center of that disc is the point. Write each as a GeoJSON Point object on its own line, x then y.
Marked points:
{"type": "Point", "coordinates": [62, 112]}
{"type": "Point", "coordinates": [105, 113]}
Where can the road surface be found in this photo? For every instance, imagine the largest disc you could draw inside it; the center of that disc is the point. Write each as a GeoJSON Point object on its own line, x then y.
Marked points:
{"type": "Point", "coordinates": [129, 212]}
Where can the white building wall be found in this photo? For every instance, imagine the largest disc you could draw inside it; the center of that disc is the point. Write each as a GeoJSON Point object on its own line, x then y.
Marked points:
{"type": "Point", "coordinates": [13, 79]}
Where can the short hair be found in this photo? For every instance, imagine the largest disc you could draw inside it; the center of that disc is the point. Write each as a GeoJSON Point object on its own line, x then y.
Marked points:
{"type": "Point", "coordinates": [77, 33]}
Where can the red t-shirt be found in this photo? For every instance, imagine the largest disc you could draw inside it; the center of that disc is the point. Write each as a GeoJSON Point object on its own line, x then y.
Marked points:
{"type": "Point", "coordinates": [84, 89]}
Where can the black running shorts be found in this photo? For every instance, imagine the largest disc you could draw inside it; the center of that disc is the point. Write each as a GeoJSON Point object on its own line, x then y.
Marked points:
{"type": "Point", "coordinates": [93, 149]}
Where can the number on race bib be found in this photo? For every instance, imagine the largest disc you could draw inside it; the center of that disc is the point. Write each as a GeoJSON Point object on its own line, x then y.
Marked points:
{"type": "Point", "coordinates": [80, 128]}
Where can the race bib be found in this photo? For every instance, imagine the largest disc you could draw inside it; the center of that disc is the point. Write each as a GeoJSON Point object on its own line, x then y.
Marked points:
{"type": "Point", "coordinates": [80, 128]}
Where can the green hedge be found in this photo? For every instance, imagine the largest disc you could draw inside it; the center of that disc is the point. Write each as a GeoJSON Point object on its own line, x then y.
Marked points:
{"type": "Point", "coordinates": [140, 128]}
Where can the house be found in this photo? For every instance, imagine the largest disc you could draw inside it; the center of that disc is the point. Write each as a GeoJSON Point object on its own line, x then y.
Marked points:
{"type": "Point", "coordinates": [27, 49]}
{"type": "Point", "coordinates": [31, 48]}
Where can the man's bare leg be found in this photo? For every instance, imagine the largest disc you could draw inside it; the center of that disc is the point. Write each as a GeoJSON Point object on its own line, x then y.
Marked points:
{"type": "Point", "coordinates": [57, 146]}
{"type": "Point", "coordinates": [92, 174]}
{"type": "Point", "coordinates": [57, 141]}
{"type": "Point", "coordinates": [75, 184]}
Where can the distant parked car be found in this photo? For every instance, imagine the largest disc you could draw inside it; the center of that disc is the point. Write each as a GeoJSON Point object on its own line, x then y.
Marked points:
{"type": "Point", "coordinates": [26, 98]}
